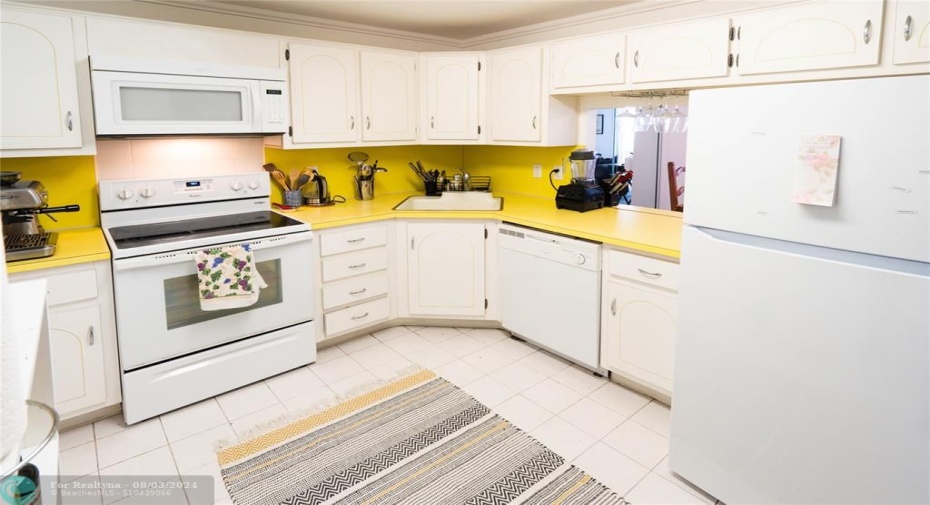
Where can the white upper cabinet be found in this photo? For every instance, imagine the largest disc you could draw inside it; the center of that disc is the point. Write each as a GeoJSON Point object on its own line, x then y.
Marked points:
{"type": "Point", "coordinates": [324, 94]}
{"type": "Point", "coordinates": [389, 96]}
{"type": "Point", "coordinates": [588, 61]}
{"type": "Point", "coordinates": [912, 32]}
{"type": "Point", "coordinates": [515, 94]}
{"type": "Point", "coordinates": [446, 268]}
{"type": "Point", "coordinates": [682, 51]}
{"type": "Point", "coordinates": [40, 94]}
{"type": "Point", "coordinates": [453, 96]}
{"type": "Point", "coordinates": [829, 34]}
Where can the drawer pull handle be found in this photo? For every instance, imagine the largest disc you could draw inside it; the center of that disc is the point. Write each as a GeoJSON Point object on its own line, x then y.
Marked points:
{"type": "Point", "coordinates": [908, 28]}
{"type": "Point", "coordinates": [90, 335]}
{"type": "Point", "coordinates": [358, 292]}
{"type": "Point", "coordinates": [867, 31]}
{"type": "Point", "coordinates": [360, 265]}
{"type": "Point", "coordinates": [654, 275]}
{"type": "Point", "coordinates": [613, 307]}
{"type": "Point", "coordinates": [355, 240]}
{"type": "Point", "coordinates": [69, 120]}
{"type": "Point", "coordinates": [363, 316]}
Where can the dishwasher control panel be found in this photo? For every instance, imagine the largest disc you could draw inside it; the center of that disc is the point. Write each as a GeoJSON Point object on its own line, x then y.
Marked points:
{"type": "Point", "coordinates": [558, 248]}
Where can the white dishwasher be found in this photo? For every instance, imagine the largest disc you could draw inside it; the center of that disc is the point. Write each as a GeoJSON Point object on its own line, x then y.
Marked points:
{"type": "Point", "coordinates": [551, 292]}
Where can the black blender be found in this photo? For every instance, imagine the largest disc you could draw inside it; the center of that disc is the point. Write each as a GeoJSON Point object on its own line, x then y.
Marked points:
{"type": "Point", "coordinates": [582, 193]}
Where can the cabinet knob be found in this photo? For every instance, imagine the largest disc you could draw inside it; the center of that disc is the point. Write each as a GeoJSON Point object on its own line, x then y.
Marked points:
{"type": "Point", "coordinates": [69, 121]}
{"type": "Point", "coordinates": [411, 243]}
{"type": "Point", "coordinates": [908, 28]}
{"type": "Point", "coordinates": [432, 121]}
{"type": "Point", "coordinates": [867, 31]}
{"type": "Point", "coordinates": [636, 59]}
{"type": "Point", "coordinates": [90, 335]}
{"type": "Point", "coordinates": [613, 307]}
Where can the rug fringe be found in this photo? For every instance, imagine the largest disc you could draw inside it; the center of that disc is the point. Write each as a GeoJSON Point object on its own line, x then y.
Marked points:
{"type": "Point", "coordinates": [290, 417]}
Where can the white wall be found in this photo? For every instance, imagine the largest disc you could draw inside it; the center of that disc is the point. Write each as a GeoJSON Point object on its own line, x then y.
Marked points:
{"type": "Point", "coordinates": [604, 142]}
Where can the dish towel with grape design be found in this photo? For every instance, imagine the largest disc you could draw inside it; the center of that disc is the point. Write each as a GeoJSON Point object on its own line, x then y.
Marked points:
{"type": "Point", "coordinates": [227, 277]}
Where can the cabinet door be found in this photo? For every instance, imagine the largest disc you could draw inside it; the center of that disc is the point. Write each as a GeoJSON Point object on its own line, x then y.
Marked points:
{"type": "Point", "coordinates": [590, 61]}
{"type": "Point", "coordinates": [830, 34]}
{"type": "Point", "coordinates": [445, 265]}
{"type": "Point", "coordinates": [40, 98]}
{"type": "Point", "coordinates": [452, 97]}
{"type": "Point", "coordinates": [515, 94]}
{"type": "Point", "coordinates": [912, 32]}
{"type": "Point", "coordinates": [77, 359]}
{"type": "Point", "coordinates": [641, 331]}
{"type": "Point", "coordinates": [683, 51]}
{"type": "Point", "coordinates": [324, 94]}
{"type": "Point", "coordinates": [389, 94]}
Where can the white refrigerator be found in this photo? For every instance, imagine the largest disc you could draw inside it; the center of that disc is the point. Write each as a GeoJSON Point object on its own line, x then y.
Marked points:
{"type": "Point", "coordinates": [802, 369]}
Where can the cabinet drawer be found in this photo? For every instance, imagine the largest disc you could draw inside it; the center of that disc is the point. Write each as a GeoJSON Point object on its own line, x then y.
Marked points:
{"type": "Point", "coordinates": [71, 287]}
{"type": "Point", "coordinates": [352, 264]}
{"type": "Point", "coordinates": [663, 274]}
{"type": "Point", "coordinates": [358, 316]}
{"type": "Point", "coordinates": [354, 290]}
{"type": "Point", "coordinates": [352, 240]}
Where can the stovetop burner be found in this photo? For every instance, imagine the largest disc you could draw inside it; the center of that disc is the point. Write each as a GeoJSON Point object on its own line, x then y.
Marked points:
{"type": "Point", "coordinates": [32, 246]}
{"type": "Point", "coordinates": [128, 237]}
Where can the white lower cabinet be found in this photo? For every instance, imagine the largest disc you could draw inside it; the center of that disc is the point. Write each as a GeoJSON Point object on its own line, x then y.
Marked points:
{"type": "Point", "coordinates": [640, 324]}
{"type": "Point", "coordinates": [446, 268]}
{"type": "Point", "coordinates": [82, 336]}
{"type": "Point", "coordinates": [354, 272]}
{"type": "Point", "coordinates": [77, 358]}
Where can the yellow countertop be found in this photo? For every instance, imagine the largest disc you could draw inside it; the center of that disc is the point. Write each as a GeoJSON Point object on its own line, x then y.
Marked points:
{"type": "Point", "coordinates": [74, 246]}
{"type": "Point", "coordinates": [639, 229]}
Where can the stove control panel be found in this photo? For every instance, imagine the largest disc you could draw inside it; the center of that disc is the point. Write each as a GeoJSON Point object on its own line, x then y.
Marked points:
{"type": "Point", "coordinates": [141, 193]}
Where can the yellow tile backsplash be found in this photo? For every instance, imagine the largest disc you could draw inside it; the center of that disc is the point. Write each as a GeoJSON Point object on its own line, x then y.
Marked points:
{"type": "Point", "coordinates": [511, 167]}
{"type": "Point", "coordinates": [69, 180]}
{"type": "Point", "coordinates": [334, 164]}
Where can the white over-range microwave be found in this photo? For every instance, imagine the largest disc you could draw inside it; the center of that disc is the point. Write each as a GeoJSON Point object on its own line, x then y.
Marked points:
{"type": "Point", "coordinates": [145, 97]}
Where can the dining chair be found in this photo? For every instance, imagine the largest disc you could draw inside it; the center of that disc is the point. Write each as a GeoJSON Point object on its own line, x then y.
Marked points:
{"type": "Point", "coordinates": [676, 187]}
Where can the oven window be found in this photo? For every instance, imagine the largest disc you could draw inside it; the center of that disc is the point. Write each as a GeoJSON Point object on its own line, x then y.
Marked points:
{"type": "Point", "coordinates": [182, 298]}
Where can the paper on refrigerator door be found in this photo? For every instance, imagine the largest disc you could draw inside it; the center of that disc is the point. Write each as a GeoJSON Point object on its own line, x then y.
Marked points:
{"type": "Point", "coordinates": [816, 171]}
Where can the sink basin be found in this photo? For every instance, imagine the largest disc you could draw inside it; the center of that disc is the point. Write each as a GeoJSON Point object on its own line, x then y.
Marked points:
{"type": "Point", "coordinates": [455, 201]}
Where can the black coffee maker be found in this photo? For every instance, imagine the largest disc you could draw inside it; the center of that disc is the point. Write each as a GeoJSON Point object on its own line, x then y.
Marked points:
{"type": "Point", "coordinates": [582, 193]}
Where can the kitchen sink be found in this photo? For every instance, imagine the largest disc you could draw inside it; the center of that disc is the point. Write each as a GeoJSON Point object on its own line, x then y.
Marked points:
{"type": "Point", "coordinates": [454, 201]}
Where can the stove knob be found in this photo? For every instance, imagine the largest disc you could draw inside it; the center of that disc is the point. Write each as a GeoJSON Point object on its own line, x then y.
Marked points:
{"type": "Point", "coordinates": [253, 184]}
{"type": "Point", "coordinates": [580, 259]}
{"type": "Point", "coordinates": [124, 194]}
{"type": "Point", "coordinates": [236, 186]}
{"type": "Point", "coordinates": [147, 192]}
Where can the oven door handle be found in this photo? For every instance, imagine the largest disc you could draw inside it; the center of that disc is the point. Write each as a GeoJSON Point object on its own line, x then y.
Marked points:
{"type": "Point", "coordinates": [173, 257]}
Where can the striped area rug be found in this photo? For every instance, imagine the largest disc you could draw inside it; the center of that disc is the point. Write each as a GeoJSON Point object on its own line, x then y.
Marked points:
{"type": "Point", "coordinates": [417, 440]}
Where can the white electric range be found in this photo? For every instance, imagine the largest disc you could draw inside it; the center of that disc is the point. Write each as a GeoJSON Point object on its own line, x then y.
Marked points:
{"type": "Point", "coordinates": [172, 353]}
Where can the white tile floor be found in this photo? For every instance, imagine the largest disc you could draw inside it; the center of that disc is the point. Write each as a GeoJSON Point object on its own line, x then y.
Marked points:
{"type": "Point", "coordinates": [615, 434]}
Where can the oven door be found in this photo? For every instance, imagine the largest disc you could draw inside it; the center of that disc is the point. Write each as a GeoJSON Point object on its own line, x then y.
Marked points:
{"type": "Point", "coordinates": [158, 303]}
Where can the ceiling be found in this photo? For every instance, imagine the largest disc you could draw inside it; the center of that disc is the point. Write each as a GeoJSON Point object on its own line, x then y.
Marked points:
{"type": "Point", "coordinates": [454, 19]}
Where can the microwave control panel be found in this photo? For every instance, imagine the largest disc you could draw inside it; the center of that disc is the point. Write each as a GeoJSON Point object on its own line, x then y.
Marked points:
{"type": "Point", "coordinates": [274, 106]}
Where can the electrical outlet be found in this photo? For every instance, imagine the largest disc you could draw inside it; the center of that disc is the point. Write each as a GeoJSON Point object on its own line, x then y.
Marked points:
{"type": "Point", "coordinates": [537, 171]}
{"type": "Point", "coordinates": [558, 173]}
